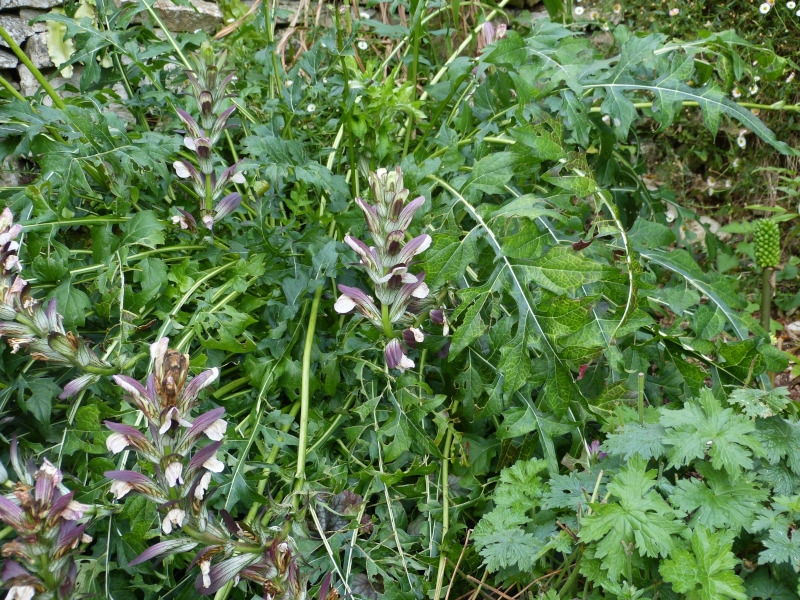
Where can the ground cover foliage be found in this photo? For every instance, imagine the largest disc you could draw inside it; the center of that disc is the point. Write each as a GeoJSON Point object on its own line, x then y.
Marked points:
{"type": "Point", "coordinates": [389, 340]}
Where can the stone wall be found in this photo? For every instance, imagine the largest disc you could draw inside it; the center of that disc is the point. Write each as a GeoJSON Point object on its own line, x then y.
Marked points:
{"type": "Point", "coordinates": [16, 15]}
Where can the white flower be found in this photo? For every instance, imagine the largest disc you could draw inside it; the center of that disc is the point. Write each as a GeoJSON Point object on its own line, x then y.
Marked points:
{"type": "Point", "coordinates": [419, 337]}
{"type": "Point", "coordinates": [324, 80]}
{"type": "Point", "coordinates": [791, 75]}
{"type": "Point", "coordinates": [797, 14]}
{"type": "Point", "coordinates": [363, 15]}
{"type": "Point", "coordinates": [755, 111]}
{"type": "Point", "coordinates": [674, 12]}
{"type": "Point", "coordinates": [216, 431]}
{"type": "Point", "coordinates": [120, 488]}
{"type": "Point", "coordinates": [711, 182]}
{"type": "Point", "coordinates": [174, 517]}
{"type": "Point", "coordinates": [757, 78]}
{"type": "Point", "coordinates": [736, 92]}
{"type": "Point", "coordinates": [21, 592]}
{"type": "Point", "coordinates": [727, 183]}
{"type": "Point", "coordinates": [116, 443]}
{"type": "Point", "coordinates": [753, 89]}
{"type": "Point", "coordinates": [670, 215]}
{"type": "Point", "coordinates": [214, 464]}
{"type": "Point", "coordinates": [188, 141]}
{"type": "Point", "coordinates": [238, 178]}
{"type": "Point", "coordinates": [179, 220]}
{"type": "Point", "coordinates": [741, 141]}
{"type": "Point", "coordinates": [362, 45]}
{"type": "Point", "coordinates": [765, 8]}
{"type": "Point", "coordinates": [208, 221]}
{"type": "Point", "coordinates": [205, 568]}
{"type": "Point", "coordinates": [735, 163]}
{"type": "Point", "coordinates": [202, 485]}
{"type": "Point", "coordinates": [174, 474]}
{"type": "Point", "coordinates": [594, 15]}
{"type": "Point", "coordinates": [617, 8]}
{"type": "Point", "coordinates": [180, 169]}
{"type": "Point", "coordinates": [288, 83]}
{"type": "Point", "coordinates": [311, 108]}
{"type": "Point", "coordinates": [579, 10]}
{"type": "Point", "coordinates": [604, 27]}
{"type": "Point", "coordinates": [791, 4]}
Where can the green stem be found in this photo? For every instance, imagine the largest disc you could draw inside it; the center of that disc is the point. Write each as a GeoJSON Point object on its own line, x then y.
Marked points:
{"type": "Point", "coordinates": [448, 443]}
{"type": "Point", "coordinates": [564, 592]}
{"type": "Point", "coordinates": [766, 298]}
{"type": "Point", "coordinates": [412, 77]}
{"type": "Point", "coordinates": [11, 89]}
{"type": "Point", "coordinates": [305, 392]}
{"type": "Point", "coordinates": [387, 324]}
{"type": "Point", "coordinates": [23, 58]}
{"type": "Point", "coordinates": [641, 398]}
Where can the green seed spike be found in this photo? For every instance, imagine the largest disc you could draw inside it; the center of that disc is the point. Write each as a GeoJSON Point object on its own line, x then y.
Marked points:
{"type": "Point", "coordinates": [767, 240]}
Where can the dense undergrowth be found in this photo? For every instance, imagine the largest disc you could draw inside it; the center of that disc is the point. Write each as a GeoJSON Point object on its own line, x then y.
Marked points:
{"type": "Point", "coordinates": [391, 340]}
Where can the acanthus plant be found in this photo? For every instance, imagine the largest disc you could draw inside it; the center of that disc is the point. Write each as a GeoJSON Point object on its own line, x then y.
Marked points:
{"type": "Point", "coordinates": [49, 522]}
{"type": "Point", "coordinates": [179, 477]}
{"type": "Point", "coordinates": [31, 325]}
{"type": "Point", "coordinates": [209, 82]}
{"type": "Point", "coordinates": [404, 297]}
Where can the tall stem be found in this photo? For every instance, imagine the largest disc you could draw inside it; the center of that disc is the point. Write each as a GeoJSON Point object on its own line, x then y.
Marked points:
{"type": "Point", "coordinates": [448, 444]}
{"type": "Point", "coordinates": [766, 298]}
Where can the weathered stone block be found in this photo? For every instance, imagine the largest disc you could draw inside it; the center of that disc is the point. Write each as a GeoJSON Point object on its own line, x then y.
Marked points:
{"type": "Point", "coordinates": [36, 49]}
{"type": "Point", "coordinates": [18, 29]}
{"type": "Point", "coordinates": [28, 14]}
{"type": "Point", "coordinates": [41, 4]}
{"type": "Point", "coordinates": [8, 60]}
{"type": "Point", "coordinates": [200, 15]}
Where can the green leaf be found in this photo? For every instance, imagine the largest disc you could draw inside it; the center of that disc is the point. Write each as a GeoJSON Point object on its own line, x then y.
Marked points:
{"type": "Point", "coordinates": [781, 441]}
{"type": "Point", "coordinates": [562, 270]}
{"type": "Point", "coordinates": [779, 548]}
{"type": "Point", "coordinates": [72, 304]}
{"type": "Point", "coordinates": [717, 501]}
{"type": "Point", "coordinates": [520, 486]}
{"type": "Point", "coordinates": [703, 426]}
{"type": "Point", "coordinates": [644, 440]}
{"type": "Point", "coordinates": [641, 519]}
{"type": "Point", "coordinates": [707, 571]}
{"type": "Point", "coordinates": [760, 403]}
{"type": "Point", "coordinates": [143, 229]}
{"type": "Point", "coordinates": [491, 174]}
{"type": "Point", "coordinates": [448, 257]}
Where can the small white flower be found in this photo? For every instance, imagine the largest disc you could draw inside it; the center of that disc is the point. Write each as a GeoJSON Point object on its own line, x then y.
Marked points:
{"type": "Point", "coordinates": [405, 363]}
{"type": "Point", "coordinates": [238, 178]}
{"type": "Point", "coordinates": [419, 337]}
{"type": "Point", "coordinates": [753, 89]}
{"type": "Point", "coordinates": [594, 15]}
{"type": "Point", "coordinates": [755, 111]}
{"type": "Point", "coordinates": [288, 83]}
{"type": "Point", "coordinates": [362, 45]}
{"type": "Point", "coordinates": [311, 108]}
{"type": "Point", "coordinates": [790, 78]}
{"type": "Point", "coordinates": [202, 485]}
{"type": "Point", "coordinates": [208, 221]}
{"type": "Point", "coordinates": [214, 464]}
{"type": "Point", "coordinates": [21, 592]}
{"type": "Point", "coordinates": [579, 10]}
{"type": "Point", "coordinates": [757, 78]}
{"type": "Point", "coordinates": [180, 169]}
{"type": "Point", "coordinates": [216, 431]}
{"type": "Point", "coordinates": [363, 15]}
{"type": "Point", "coordinates": [765, 8]}
{"type": "Point", "coordinates": [797, 14]}
{"type": "Point", "coordinates": [188, 141]}
{"type": "Point", "coordinates": [421, 291]}
{"type": "Point", "coordinates": [711, 182]}
{"type": "Point", "coordinates": [791, 4]}
{"type": "Point", "coordinates": [735, 163]}
{"type": "Point", "coordinates": [205, 569]}
{"type": "Point", "coordinates": [116, 443]}
{"type": "Point", "coordinates": [728, 183]}
{"type": "Point", "coordinates": [670, 215]}
{"type": "Point", "coordinates": [709, 442]}
{"type": "Point", "coordinates": [617, 8]}
{"type": "Point", "coordinates": [174, 517]}
{"type": "Point", "coordinates": [741, 141]}
{"type": "Point", "coordinates": [120, 488]}
{"type": "Point", "coordinates": [674, 12]}
{"type": "Point", "coordinates": [324, 80]}
{"type": "Point", "coordinates": [605, 27]}
{"type": "Point", "coordinates": [736, 92]}
{"type": "Point", "coordinates": [174, 474]}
